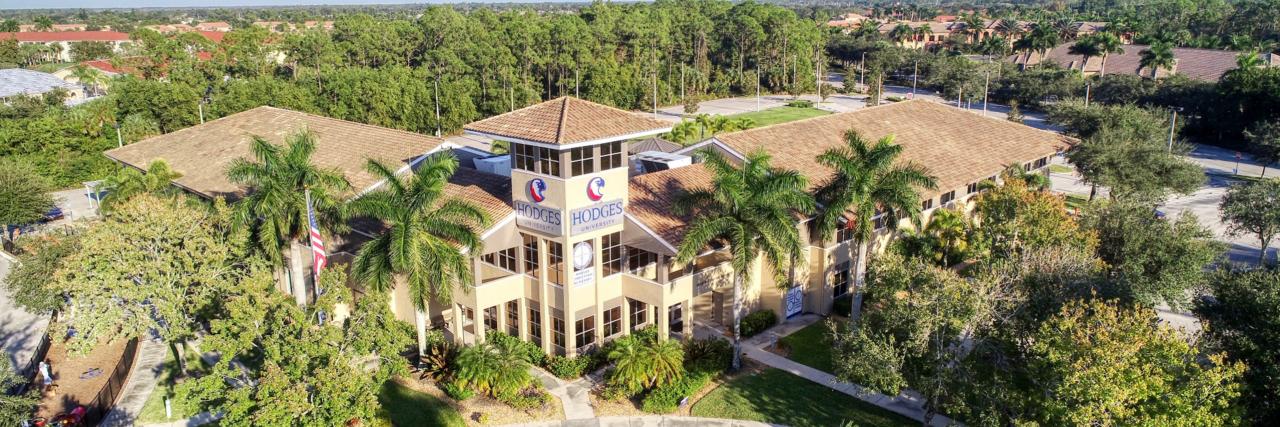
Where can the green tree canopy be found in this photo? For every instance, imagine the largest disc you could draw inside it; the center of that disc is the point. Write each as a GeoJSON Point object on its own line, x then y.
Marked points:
{"type": "Point", "coordinates": [1242, 318]}
{"type": "Point", "coordinates": [24, 197]}
{"type": "Point", "coordinates": [1251, 209]}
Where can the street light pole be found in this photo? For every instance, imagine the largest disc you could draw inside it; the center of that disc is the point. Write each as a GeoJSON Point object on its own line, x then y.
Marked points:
{"type": "Point", "coordinates": [915, 75]}
{"type": "Point", "coordinates": [1172, 124]}
{"type": "Point", "coordinates": [862, 69]}
{"type": "Point", "coordinates": [986, 90]}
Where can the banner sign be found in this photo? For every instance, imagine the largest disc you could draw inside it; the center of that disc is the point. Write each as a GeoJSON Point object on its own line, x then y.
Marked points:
{"type": "Point", "coordinates": [794, 301]}
{"type": "Point", "coordinates": [545, 220]}
{"type": "Point", "coordinates": [595, 217]}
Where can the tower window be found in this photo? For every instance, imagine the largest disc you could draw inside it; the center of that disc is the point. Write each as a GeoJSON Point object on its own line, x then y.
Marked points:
{"type": "Point", "coordinates": [555, 262]}
{"type": "Point", "coordinates": [611, 155]}
{"type": "Point", "coordinates": [582, 160]}
{"type": "Point", "coordinates": [611, 253]}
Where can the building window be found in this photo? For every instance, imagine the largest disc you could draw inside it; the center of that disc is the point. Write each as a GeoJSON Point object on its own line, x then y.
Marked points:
{"type": "Point", "coordinates": [535, 159]}
{"type": "Point", "coordinates": [586, 332]}
{"type": "Point", "coordinates": [504, 259]}
{"type": "Point", "coordinates": [491, 318]}
{"type": "Point", "coordinates": [880, 220]}
{"type": "Point", "coordinates": [557, 331]}
{"type": "Point", "coordinates": [639, 314]}
{"type": "Point", "coordinates": [971, 188]}
{"type": "Point", "coordinates": [947, 197]}
{"type": "Point", "coordinates": [1042, 162]}
{"type": "Point", "coordinates": [555, 262]}
{"type": "Point", "coordinates": [675, 317]}
{"type": "Point", "coordinates": [611, 253]}
{"type": "Point", "coordinates": [844, 234]}
{"type": "Point", "coordinates": [840, 283]}
{"type": "Point", "coordinates": [530, 255]}
{"type": "Point", "coordinates": [535, 326]}
{"type": "Point", "coordinates": [1026, 167]}
{"type": "Point", "coordinates": [582, 160]}
{"type": "Point", "coordinates": [610, 155]}
{"type": "Point", "coordinates": [642, 263]}
{"type": "Point", "coordinates": [613, 321]}
{"type": "Point", "coordinates": [926, 204]}
{"type": "Point", "coordinates": [513, 318]}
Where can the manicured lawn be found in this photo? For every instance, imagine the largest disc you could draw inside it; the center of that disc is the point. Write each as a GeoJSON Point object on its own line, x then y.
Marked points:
{"type": "Point", "coordinates": [402, 406]}
{"type": "Point", "coordinates": [779, 115]}
{"type": "Point", "coordinates": [153, 409]}
{"type": "Point", "coordinates": [1077, 201]}
{"type": "Point", "coordinates": [775, 396]}
{"type": "Point", "coordinates": [811, 347]}
{"type": "Point", "coordinates": [1061, 169]}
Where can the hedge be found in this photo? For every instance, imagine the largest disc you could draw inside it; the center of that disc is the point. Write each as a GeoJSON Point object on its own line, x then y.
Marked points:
{"type": "Point", "coordinates": [757, 322]}
{"type": "Point", "coordinates": [666, 399]}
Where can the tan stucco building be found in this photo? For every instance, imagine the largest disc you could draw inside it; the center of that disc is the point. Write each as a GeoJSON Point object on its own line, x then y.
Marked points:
{"type": "Point", "coordinates": [583, 237]}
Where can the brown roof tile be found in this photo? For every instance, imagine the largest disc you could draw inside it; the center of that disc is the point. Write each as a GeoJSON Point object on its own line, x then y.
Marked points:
{"type": "Point", "coordinates": [958, 147]}
{"type": "Point", "coordinates": [566, 120]}
{"type": "Point", "coordinates": [202, 153]}
{"type": "Point", "coordinates": [491, 193]}
{"type": "Point", "coordinates": [1199, 64]}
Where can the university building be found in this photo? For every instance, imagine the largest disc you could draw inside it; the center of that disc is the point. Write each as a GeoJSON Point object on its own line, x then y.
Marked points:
{"type": "Point", "coordinates": [582, 242]}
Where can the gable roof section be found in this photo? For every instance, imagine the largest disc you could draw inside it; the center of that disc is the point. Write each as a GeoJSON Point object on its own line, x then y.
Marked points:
{"type": "Point", "coordinates": [566, 122]}
{"type": "Point", "coordinates": [202, 153]}
{"type": "Point", "coordinates": [1206, 65]}
{"type": "Point", "coordinates": [650, 197]}
{"type": "Point", "coordinates": [958, 147]}
{"type": "Point", "coordinates": [18, 81]}
{"type": "Point", "coordinates": [491, 193]}
{"type": "Point", "coordinates": [653, 143]}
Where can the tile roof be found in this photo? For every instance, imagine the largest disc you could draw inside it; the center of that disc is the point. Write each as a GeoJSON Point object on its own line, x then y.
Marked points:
{"type": "Point", "coordinates": [651, 196]}
{"type": "Point", "coordinates": [17, 81]}
{"type": "Point", "coordinates": [958, 147]}
{"type": "Point", "coordinates": [1200, 64]}
{"type": "Point", "coordinates": [66, 36]}
{"type": "Point", "coordinates": [567, 120]}
{"type": "Point", "coordinates": [202, 153]}
{"type": "Point", "coordinates": [491, 193]}
{"type": "Point", "coordinates": [652, 143]}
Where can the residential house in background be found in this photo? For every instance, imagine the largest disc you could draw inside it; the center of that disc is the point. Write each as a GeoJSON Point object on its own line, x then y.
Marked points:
{"type": "Point", "coordinates": [1208, 65]}
{"type": "Point", "coordinates": [16, 82]}
{"type": "Point", "coordinates": [61, 41]}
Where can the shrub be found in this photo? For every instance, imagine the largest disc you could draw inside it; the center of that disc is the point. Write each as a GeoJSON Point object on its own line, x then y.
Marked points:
{"type": "Point", "coordinates": [456, 391]}
{"type": "Point", "coordinates": [666, 399]}
{"type": "Point", "coordinates": [528, 351]}
{"type": "Point", "coordinates": [800, 103]}
{"type": "Point", "coordinates": [709, 356]}
{"type": "Point", "coordinates": [437, 361]}
{"type": "Point", "coordinates": [757, 322]}
{"type": "Point", "coordinates": [648, 334]}
{"type": "Point", "coordinates": [639, 364]}
{"type": "Point", "coordinates": [842, 305]}
{"type": "Point", "coordinates": [490, 369]}
{"type": "Point", "coordinates": [567, 367]}
{"type": "Point", "coordinates": [527, 399]}
{"type": "Point", "coordinates": [893, 98]}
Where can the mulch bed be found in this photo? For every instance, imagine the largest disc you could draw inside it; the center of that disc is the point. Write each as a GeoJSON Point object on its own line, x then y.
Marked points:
{"type": "Point", "coordinates": [495, 412]}
{"type": "Point", "coordinates": [70, 390]}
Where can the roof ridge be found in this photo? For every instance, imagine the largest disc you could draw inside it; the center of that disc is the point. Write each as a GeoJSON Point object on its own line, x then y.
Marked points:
{"type": "Point", "coordinates": [564, 116]}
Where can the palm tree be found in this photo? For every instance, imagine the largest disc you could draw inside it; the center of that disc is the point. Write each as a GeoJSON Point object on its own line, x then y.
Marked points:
{"type": "Point", "coordinates": [1086, 47]}
{"type": "Point", "coordinates": [88, 77]}
{"type": "Point", "coordinates": [867, 181]}
{"type": "Point", "coordinates": [129, 182]}
{"type": "Point", "coordinates": [492, 369]}
{"type": "Point", "coordinates": [638, 364]}
{"type": "Point", "coordinates": [949, 229]}
{"type": "Point", "coordinates": [44, 23]}
{"type": "Point", "coordinates": [9, 26]}
{"type": "Point", "coordinates": [428, 237]}
{"type": "Point", "coordinates": [1247, 60]}
{"type": "Point", "coordinates": [973, 27]}
{"type": "Point", "coordinates": [1108, 44]}
{"type": "Point", "coordinates": [901, 32]}
{"type": "Point", "coordinates": [274, 209]}
{"type": "Point", "coordinates": [752, 208]}
{"type": "Point", "coordinates": [1009, 28]}
{"type": "Point", "coordinates": [1159, 55]}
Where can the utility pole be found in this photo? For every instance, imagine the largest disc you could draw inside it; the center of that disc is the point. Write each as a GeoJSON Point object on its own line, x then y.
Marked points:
{"type": "Point", "coordinates": [575, 83]}
{"type": "Point", "coordinates": [757, 86]}
{"type": "Point", "coordinates": [862, 68]}
{"type": "Point", "coordinates": [986, 90]}
{"type": "Point", "coordinates": [437, 89]}
{"type": "Point", "coordinates": [119, 139]}
{"type": "Point", "coordinates": [200, 107]}
{"type": "Point", "coordinates": [1172, 124]}
{"type": "Point", "coordinates": [915, 75]}
{"type": "Point", "coordinates": [655, 92]}
{"type": "Point", "coordinates": [1087, 87]}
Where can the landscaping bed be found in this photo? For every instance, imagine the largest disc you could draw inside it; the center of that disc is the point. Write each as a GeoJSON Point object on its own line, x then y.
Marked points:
{"type": "Point", "coordinates": [810, 346]}
{"type": "Point", "coordinates": [73, 386]}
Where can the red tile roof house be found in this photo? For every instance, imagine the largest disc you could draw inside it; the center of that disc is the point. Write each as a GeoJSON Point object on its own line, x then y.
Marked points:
{"type": "Point", "coordinates": [116, 39]}
{"type": "Point", "coordinates": [1206, 65]}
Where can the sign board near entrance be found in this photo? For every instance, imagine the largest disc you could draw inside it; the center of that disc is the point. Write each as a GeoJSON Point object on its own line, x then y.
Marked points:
{"type": "Point", "coordinates": [794, 301]}
{"type": "Point", "coordinates": [538, 218]}
{"type": "Point", "coordinates": [595, 217]}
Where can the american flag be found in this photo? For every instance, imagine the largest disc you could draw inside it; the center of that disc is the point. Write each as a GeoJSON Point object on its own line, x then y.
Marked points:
{"type": "Point", "coordinates": [317, 243]}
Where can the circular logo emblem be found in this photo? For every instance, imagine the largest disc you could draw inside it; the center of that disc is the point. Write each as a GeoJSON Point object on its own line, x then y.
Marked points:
{"type": "Point", "coordinates": [595, 189]}
{"type": "Point", "coordinates": [537, 190]}
{"type": "Point", "coordinates": [582, 255]}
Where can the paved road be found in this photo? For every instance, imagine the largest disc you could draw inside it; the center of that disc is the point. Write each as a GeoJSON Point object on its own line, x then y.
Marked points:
{"type": "Point", "coordinates": [20, 331]}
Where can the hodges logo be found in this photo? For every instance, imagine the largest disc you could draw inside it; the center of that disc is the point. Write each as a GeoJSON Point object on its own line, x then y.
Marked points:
{"type": "Point", "coordinates": [537, 190]}
{"type": "Point", "coordinates": [595, 189]}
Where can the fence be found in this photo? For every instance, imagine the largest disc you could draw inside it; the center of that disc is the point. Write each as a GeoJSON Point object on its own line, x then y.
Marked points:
{"type": "Point", "coordinates": [106, 398]}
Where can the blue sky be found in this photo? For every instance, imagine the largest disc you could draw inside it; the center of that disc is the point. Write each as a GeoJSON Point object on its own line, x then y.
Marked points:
{"type": "Point", "coordinates": [76, 4]}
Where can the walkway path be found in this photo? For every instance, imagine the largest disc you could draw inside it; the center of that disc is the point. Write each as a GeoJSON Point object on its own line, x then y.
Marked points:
{"type": "Point", "coordinates": [198, 420]}
{"type": "Point", "coordinates": [575, 396]}
{"type": "Point", "coordinates": [650, 421]}
{"type": "Point", "coordinates": [755, 349]}
{"type": "Point", "coordinates": [20, 331]}
{"type": "Point", "coordinates": [142, 381]}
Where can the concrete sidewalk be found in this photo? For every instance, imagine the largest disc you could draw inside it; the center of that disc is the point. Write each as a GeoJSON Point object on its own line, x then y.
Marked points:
{"type": "Point", "coordinates": [20, 331]}
{"type": "Point", "coordinates": [147, 368]}
{"type": "Point", "coordinates": [649, 421]}
{"type": "Point", "coordinates": [574, 396]}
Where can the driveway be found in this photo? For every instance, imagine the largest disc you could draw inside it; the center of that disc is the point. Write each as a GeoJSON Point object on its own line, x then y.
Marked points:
{"type": "Point", "coordinates": [20, 331]}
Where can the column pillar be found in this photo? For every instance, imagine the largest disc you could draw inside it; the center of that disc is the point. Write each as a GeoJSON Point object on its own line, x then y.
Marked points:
{"type": "Point", "coordinates": [686, 319]}
{"type": "Point", "coordinates": [570, 331]}
{"type": "Point", "coordinates": [458, 325]}
{"type": "Point", "coordinates": [477, 323]}
{"type": "Point", "coordinates": [663, 267]}
{"type": "Point", "coordinates": [501, 313]}
{"type": "Point", "coordinates": [523, 318]}
{"type": "Point", "coordinates": [544, 296]}
{"type": "Point", "coordinates": [664, 322]}
{"type": "Point", "coordinates": [626, 316]}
